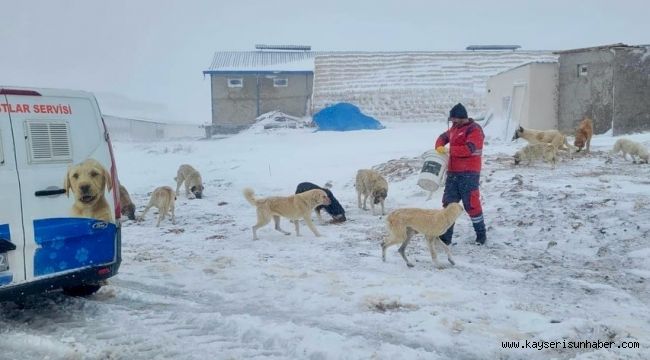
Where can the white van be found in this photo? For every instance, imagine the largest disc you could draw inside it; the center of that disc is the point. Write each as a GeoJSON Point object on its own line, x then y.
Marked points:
{"type": "Point", "coordinates": [59, 194]}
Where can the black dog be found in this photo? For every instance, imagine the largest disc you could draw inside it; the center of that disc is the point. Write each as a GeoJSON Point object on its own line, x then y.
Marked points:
{"type": "Point", "coordinates": [334, 208]}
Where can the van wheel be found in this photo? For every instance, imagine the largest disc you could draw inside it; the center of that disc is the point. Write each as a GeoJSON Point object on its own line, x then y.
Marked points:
{"type": "Point", "coordinates": [81, 290]}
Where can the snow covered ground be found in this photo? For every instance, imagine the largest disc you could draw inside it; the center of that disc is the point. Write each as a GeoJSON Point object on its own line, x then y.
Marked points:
{"type": "Point", "coordinates": [566, 260]}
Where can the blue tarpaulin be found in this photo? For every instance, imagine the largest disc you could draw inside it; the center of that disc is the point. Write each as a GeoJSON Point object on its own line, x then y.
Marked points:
{"type": "Point", "coordinates": [344, 117]}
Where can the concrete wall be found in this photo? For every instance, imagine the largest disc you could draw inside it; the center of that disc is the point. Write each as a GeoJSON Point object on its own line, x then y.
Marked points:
{"type": "Point", "coordinates": [234, 109]}
{"type": "Point", "coordinates": [589, 95]}
{"type": "Point", "coordinates": [631, 91]}
{"type": "Point", "coordinates": [500, 91]}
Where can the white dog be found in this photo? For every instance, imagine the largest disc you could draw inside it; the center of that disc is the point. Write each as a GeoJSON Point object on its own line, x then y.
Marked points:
{"type": "Point", "coordinates": [632, 148]}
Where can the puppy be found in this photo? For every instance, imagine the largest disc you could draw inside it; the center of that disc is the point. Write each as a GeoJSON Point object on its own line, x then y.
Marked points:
{"type": "Point", "coordinates": [552, 137]}
{"type": "Point", "coordinates": [87, 180]}
{"type": "Point", "coordinates": [128, 208]}
{"type": "Point", "coordinates": [371, 183]}
{"type": "Point", "coordinates": [163, 198]}
{"type": "Point", "coordinates": [633, 148]}
{"type": "Point", "coordinates": [537, 151]}
{"type": "Point", "coordinates": [584, 132]}
{"type": "Point", "coordinates": [404, 223]}
{"type": "Point", "coordinates": [192, 180]}
{"type": "Point", "coordinates": [334, 208]}
{"type": "Point", "coordinates": [293, 207]}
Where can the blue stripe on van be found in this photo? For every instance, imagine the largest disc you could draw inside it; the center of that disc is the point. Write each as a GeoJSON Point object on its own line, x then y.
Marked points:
{"type": "Point", "coordinates": [71, 243]}
{"type": "Point", "coordinates": [6, 279]}
{"type": "Point", "coordinates": [4, 232]}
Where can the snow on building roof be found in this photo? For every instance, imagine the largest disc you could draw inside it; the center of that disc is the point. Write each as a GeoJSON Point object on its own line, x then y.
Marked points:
{"type": "Point", "coordinates": [231, 61]}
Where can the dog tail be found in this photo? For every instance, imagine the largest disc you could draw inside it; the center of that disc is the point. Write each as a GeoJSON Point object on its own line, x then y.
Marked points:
{"type": "Point", "coordinates": [249, 194]}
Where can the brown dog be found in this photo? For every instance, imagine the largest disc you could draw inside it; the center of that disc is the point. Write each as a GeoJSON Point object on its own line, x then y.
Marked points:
{"type": "Point", "coordinates": [128, 208]}
{"type": "Point", "coordinates": [584, 132]}
{"type": "Point", "coordinates": [87, 180]}
{"type": "Point", "coordinates": [163, 198]}
{"type": "Point", "coordinates": [404, 223]}
{"type": "Point", "coordinates": [371, 183]}
{"type": "Point", "coordinates": [294, 207]}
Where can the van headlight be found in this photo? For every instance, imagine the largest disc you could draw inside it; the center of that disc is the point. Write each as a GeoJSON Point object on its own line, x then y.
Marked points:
{"type": "Point", "coordinates": [4, 266]}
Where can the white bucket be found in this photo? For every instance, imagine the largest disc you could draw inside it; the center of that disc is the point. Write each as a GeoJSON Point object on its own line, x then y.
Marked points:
{"type": "Point", "coordinates": [433, 171]}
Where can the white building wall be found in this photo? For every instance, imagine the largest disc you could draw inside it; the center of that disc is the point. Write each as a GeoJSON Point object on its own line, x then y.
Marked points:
{"type": "Point", "coordinates": [523, 96]}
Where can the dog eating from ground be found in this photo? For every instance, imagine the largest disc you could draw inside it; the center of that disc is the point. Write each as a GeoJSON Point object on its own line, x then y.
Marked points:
{"type": "Point", "coordinates": [334, 208]}
{"type": "Point", "coordinates": [294, 208]}
{"type": "Point", "coordinates": [632, 148]}
{"type": "Point", "coordinates": [538, 151]}
{"type": "Point", "coordinates": [192, 179]}
{"type": "Point", "coordinates": [552, 137]}
{"type": "Point", "coordinates": [128, 208]}
{"type": "Point", "coordinates": [584, 132]}
{"type": "Point", "coordinates": [162, 198]}
{"type": "Point", "coordinates": [370, 183]}
{"type": "Point", "coordinates": [404, 223]}
{"type": "Point", "coordinates": [87, 181]}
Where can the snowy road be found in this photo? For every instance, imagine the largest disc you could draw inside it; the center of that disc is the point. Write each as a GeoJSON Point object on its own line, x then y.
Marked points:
{"type": "Point", "coordinates": [566, 260]}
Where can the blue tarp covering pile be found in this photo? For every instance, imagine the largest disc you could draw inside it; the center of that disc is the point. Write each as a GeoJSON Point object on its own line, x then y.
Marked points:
{"type": "Point", "coordinates": [344, 117]}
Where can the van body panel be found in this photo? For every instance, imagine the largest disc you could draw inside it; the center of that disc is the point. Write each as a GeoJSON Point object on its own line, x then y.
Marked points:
{"type": "Point", "coordinates": [51, 216]}
{"type": "Point", "coordinates": [10, 204]}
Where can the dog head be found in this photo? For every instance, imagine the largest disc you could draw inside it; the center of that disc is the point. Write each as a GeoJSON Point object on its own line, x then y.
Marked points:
{"type": "Point", "coordinates": [517, 134]}
{"type": "Point", "coordinates": [454, 209]}
{"type": "Point", "coordinates": [318, 197]}
{"type": "Point", "coordinates": [197, 190]}
{"type": "Point", "coordinates": [87, 180]}
{"type": "Point", "coordinates": [379, 195]}
{"type": "Point", "coordinates": [579, 142]}
{"type": "Point", "coordinates": [127, 207]}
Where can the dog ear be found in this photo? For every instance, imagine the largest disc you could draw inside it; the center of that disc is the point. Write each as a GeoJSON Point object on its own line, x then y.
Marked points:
{"type": "Point", "coordinates": [66, 182]}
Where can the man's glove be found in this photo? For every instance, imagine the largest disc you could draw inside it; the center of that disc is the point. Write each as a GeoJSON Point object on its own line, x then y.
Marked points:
{"type": "Point", "coordinates": [441, 150]}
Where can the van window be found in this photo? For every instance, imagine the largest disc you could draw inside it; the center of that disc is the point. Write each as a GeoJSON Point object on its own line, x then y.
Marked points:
{"type": "Point", "coordinates": [48, 141]}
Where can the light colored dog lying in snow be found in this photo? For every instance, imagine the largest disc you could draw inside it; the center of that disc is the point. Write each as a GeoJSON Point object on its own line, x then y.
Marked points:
{"type": "Point", "coordinates": [538, 151]}
{"type": "Point", "coordinates": [404, 223]}
{"type": "Point", "coordinates": [294, 208]}
{"type": "Point", "coordinates": [632, 148]}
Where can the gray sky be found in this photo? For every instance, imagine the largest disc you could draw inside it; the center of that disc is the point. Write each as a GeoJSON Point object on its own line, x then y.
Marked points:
{"type": "Point", "coordinates": [154, 51]}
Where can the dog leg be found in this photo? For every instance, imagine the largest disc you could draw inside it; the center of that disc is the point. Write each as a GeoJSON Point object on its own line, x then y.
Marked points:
{"type": "Point", "coordinates": [382, 207]}
{"type": "Point", "coordinates": [276, 219]}
{"type": "Point", "coordinates": [402, 248]}
{"type": "Point", "coordinates": [432, 250]}
{"type": "Point", "coordinates": [372, 205]}
{"type": "Point", "coordinates": [311, 226]}
{"type": "Point", "coordinates": [173, 215]}
{"type": "Point", "coordinates": [261, 221]}
{"type": "Point", "coordinates": [296, 226]}
{"type": "Point", "coordinates": [161, 215]}
{"type": "Point", "coordinates": [359, 200]}
{"type": "Point", "coordinates": [320, 218]}
{"type": "Point", "coordinates": [179, 181]}
{"type": "Point", "coordinates": [365, 198]}
{"type": "Point", "coordinates": [141, 217]}
{"type": "Point", "coordinates": [446, 249]}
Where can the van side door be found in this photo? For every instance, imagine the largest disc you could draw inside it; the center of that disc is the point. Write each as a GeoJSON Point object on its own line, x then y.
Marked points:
{"type": "Point", "coordinates": [12, 267]}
